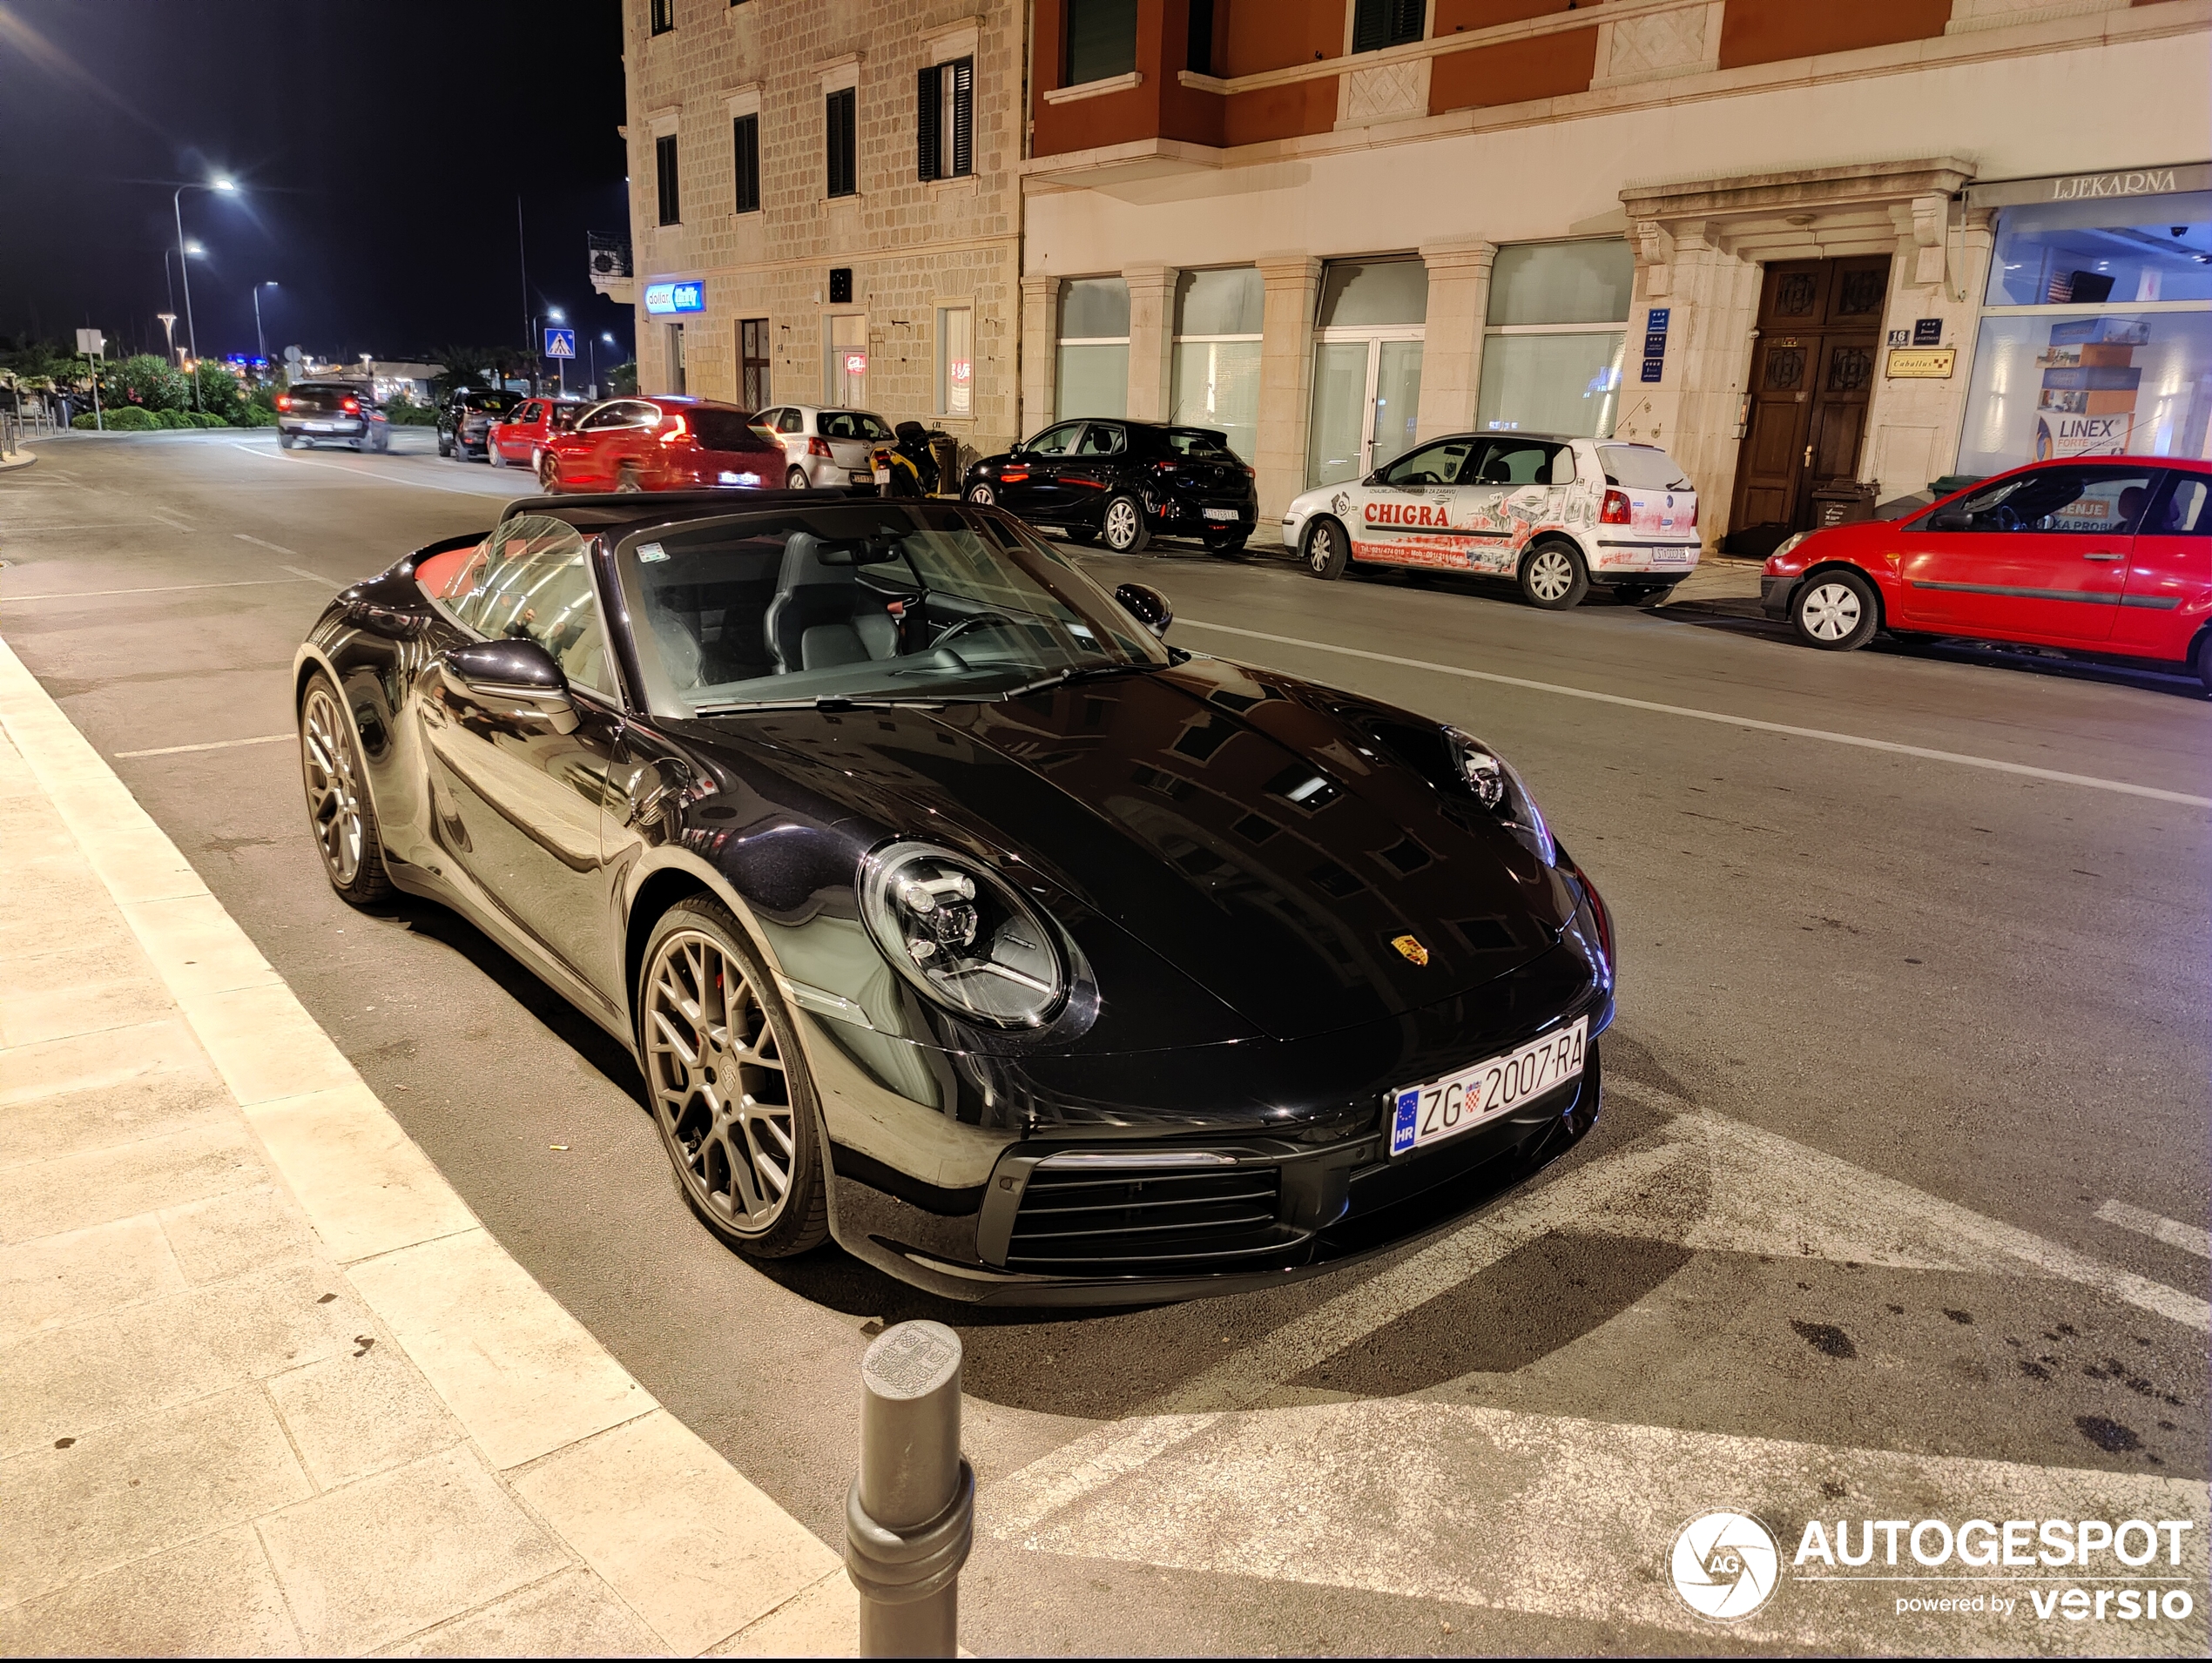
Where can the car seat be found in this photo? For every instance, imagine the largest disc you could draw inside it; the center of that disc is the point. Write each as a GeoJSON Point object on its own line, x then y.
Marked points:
{"type": "Point", "coordinates": [822, 617]}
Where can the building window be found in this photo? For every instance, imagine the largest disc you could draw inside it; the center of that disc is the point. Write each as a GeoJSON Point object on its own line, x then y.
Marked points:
{"type": "Point", "coordinates": [1198, 58]}
{"type": "Point", "coordinates": [744, 134]}
{"type": "Point", "coordinates": [945, 120]}
{"type": "Point", "coordinates": [1378, 23]}
{"type": "Point", "coordinates": [752, 362]}
{"type": "Point", "coordinates": [848, 370]}
{"type": "Point", "coordinates": [2095, 332]}
{"type": "Point", "coordinates": [843, 109]}
{"type": "Point", "coordinates": [671, 200]}
{"type": "Point", "coordinates": [1545, 368]}
{"type": "Point", "coordinates": [1102, 40]}
{"type": "Point", "coordinates": [955, 360]}
{"type": "Point", "coordinates": [675, 339]}
{"type": "Point", "coordinates": [663, 15]}
{"type": "Point", "coordinates": [1214, 380]}
{"type": "Point", "coordinates": [1094, 349]}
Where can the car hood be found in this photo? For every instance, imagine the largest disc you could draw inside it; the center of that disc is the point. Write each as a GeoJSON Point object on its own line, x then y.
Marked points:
{"type": "Point", "coordinates": [1274, 841]}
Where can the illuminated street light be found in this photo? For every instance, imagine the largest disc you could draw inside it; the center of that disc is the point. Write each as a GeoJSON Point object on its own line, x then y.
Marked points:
{"type": "Point", "coordinates": [184, 250]}
{"type": "Point", "coordinates": [169, 328]}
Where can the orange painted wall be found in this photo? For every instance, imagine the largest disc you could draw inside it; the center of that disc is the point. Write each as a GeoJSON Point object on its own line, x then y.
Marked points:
{"type": "Point", "coordinates": [1452, 15]}
{"type": "Point", "coordinates": [1763, 31]}
{"type": "Point", "coordinates": [1547, 67]}
{"type": "Point", "coordinates": [1116, 119]}
{"type": "Point", "coordinates": [1281, 112]}
{"type": "Point", "coordinates": [1275, 34]}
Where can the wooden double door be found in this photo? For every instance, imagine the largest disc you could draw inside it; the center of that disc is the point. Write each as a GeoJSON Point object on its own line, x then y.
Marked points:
{"type": "Point", "coordinates": [1812, 374]}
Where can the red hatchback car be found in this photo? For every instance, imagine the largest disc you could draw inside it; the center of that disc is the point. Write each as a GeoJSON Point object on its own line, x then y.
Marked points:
{"type": "Point", "coordinates": [2110, 556]}
{"type": "Point", "coordinates": [662, 443]}
{"type": "Point", "coordinates": [521, 439]}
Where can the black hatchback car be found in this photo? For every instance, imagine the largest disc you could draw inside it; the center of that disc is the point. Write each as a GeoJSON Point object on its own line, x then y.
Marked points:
{"type": "Point", "coordinates": [465, 421]}
{"type": "Point", "coordinates": [1122, 483]}
{"type": "Point", "coordinates": [946, 908]}
{"type": "Point", "coordinates": [331, 413]}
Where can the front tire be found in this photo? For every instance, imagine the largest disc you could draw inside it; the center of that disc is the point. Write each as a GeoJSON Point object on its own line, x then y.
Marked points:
{"type": "Point", "coordinates": [497, 457]}
{"type": "Point", "coordinates": [983, 496]}
{"type": "Point", "coordinates": [1836, 611]}
{"type": "Point", "coordinates": [1123, 528]}
{"type": "Point", "coordinates": [339, 811]}
{"type": "Point", "coordinates": [729, 1085]}
{"type": "Point", "coordinates": [1554, 577]}
{"type": "Point", "coordinates": [1328, 549]}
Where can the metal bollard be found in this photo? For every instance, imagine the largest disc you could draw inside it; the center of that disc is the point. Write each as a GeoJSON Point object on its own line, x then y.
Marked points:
{"type": "Point", "coordinates": [911, 1514]}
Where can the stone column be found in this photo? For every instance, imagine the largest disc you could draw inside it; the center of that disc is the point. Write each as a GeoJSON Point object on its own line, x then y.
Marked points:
{"type": "Point", "coordinates": [1458, 305]}
{"type": "Point", "coordinates": [1151, 340]}
{"type": "Point", "coordinates": [1292, 284]}
{"type": "Point", "coordinates": [1040, 348]}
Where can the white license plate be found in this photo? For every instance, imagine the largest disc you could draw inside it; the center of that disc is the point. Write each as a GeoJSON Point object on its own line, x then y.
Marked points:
{"type": "Point", "coordinates": [882, 477]}
{"type": "Point", "coordinates": [1425, 1114]}
{"type": "Point", "coordinates": [318, 427]}
{"type": "Point", "coordinates": [1221, 514]}
{"type": "Point", "coordinates": [1670, 556]}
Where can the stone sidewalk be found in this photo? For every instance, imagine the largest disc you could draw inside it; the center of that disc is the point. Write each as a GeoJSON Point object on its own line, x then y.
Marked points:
{"type": "Point", "coordinates": [267, 1385]}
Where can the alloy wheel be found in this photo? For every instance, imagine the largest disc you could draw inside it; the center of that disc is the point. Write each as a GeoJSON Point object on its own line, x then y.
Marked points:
{"type": "Point", "coordinates": [332, 778]}
{"type": "Point", "coordinates": [1320, 549]}
{"type": "Point", "coordinates": [1551, 574]}
{"type": "Point", "coordinates": [982, 496]}
{"type": "Point", "coordinates": [1121, 526]}
{"type": "Point", "coordinates": [715, 1065]}
{"type": "Point", "coordinates": [1831, 612]}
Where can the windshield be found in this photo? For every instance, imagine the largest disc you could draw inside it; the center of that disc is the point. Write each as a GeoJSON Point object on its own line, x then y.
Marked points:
{"type": "Point", "coordinates": [853, 424]}
{"type": "Point", "coordinates": [904, 602]}
{"type": "Point", "coordinates": [1641, 468]}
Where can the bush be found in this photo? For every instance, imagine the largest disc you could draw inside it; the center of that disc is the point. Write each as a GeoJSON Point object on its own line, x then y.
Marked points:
{"type": "Point", "coordinates": [173, 419]}
{"type": "Point", "coordinates": [205, 419]}
{"type": "Point", "coordinates": [151, 382]}
{"type": "Point", "coordinates": [405, 413]}
{"type": "Point", "coordinates": [221, 393]}
{"type": "Point", "coordinates": [128, 419]}
{"type": "Point", "coordinates": [255, 416]}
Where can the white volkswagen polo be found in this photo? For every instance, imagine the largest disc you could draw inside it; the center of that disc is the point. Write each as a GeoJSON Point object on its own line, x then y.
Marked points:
{"type": "Point", "coordinates": [1556, 515]}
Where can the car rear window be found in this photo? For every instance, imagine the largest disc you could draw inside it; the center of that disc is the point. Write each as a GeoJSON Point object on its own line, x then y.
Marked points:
{"type": "Point", "coordinates": [1644, 468]}
{"type": "Point", "coordinates": [1199, 442]}
{"type": "Point", "coordinates": [325, 390]}
{"type": "Point", "coordinates": [726, 430]}
{"type": "Point", "coordinates": [497, 403]}
{"type": "Point", "coordinates": [853, 424]}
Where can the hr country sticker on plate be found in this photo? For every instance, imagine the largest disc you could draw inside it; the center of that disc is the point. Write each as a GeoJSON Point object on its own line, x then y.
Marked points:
{"type": "Point", "coordinates": [1425, 1115]}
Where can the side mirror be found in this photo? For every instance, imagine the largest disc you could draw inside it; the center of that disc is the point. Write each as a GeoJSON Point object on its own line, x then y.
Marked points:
{"type": "Point", "coordinates": [516, 677]}
{"type": "Point", "coordinates": [1147, 605]}
{"type": "Point", "coordinates": [1951, 520]}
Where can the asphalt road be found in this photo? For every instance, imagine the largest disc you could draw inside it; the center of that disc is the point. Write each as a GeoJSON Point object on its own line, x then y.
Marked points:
{"type": "Point", "coordinates": [1911, 1059]}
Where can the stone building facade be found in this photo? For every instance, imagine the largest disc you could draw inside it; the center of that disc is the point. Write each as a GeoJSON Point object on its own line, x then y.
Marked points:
{"type": "Point", "coordinates": [928, 329]}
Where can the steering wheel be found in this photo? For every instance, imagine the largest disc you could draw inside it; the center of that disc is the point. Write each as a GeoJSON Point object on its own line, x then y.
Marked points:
{"type": "Point", "coordinates": [2003, 518]}
{"type": "Point", "coordinates": [976, 623]}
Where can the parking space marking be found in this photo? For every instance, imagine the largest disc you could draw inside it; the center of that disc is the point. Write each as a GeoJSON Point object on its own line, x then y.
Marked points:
{"type": "Point", "coordinates": [154, 588]}
{"type": "Point", "coordinates": [212, 745]}
{"type": "Point", "coordinates": [176, 519]}
{"type": "Point", "coordinates": [364, 475]}
{"type": "Point", "coordinates": [2172, 1231]}
{"type": "Point", "coordinates": [274, 548]}
{"type": "Point", "coordinates": [2090, 781]}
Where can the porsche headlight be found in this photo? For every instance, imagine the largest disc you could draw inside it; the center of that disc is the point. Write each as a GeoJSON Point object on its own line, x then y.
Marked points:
{"type": "Point", "coordinates": [962, 936]}
{"type": "Point", "coordinates": [1499, 789]}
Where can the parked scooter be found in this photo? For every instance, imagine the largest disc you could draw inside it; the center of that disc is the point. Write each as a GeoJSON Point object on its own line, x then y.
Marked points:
{"type": "Point", "coordinates": [912, 466]}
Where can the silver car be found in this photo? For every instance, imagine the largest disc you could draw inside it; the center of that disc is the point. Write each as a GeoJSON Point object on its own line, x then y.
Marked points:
{"type": "Point", "coordinates": [827, 447]}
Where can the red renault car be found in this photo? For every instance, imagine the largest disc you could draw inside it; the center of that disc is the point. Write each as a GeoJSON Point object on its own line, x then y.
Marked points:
{"type": "Point", "coordinates": [2110, 557]}
{"type": "Point", "coordinates": [665, 442]}
{"type": "Point", "coordinates": [520, 438]}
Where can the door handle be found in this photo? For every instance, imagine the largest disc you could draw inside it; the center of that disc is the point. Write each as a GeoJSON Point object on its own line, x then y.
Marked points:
{"type": "Point", "coordinates": [2103, 555]}
{"type": "Point", "coordinates": [1808, 455]}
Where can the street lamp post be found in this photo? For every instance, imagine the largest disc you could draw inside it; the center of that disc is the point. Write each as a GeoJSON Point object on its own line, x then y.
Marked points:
{"type": "Point", "coordinates": [606, 335]}
{"type": "Point", "coordinates": [192, 336]}
{"type": "Point", "coordinates": [260, 341]}
{"type": "Point", "coordinates": [169, 329]}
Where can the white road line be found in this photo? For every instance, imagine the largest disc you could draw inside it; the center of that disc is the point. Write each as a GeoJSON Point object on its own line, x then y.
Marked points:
{"type": "Point", "coordinates": [156, 588]}
{"type": "Point", "coordinates": [2172, 1231]}
{"type": "Point", "coordinates": [314, 578]}
{"type": "Point", "coordinates": [216, 744]}
{"type": "Point", "coordinates": [89, 525]}
{"type": "Point", "coordinates": [176, 519]}
{"type": "Point", "coordinates": [2091, 781]}
{"type": "Point", "coordinates": [274, 548]}
{"type": "Point", "coordinates": [363, 474]}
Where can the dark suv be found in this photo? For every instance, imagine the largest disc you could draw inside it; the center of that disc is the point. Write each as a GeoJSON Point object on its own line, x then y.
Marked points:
{"type": "Point", "coordinates": [1122, 481]}
{"type": "Point", "coordinates": [343, 413]}
{"type": "Point", "coordinates": [465, 421]}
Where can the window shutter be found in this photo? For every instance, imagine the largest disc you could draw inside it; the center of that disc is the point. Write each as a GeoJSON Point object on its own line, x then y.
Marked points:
{"type": "Point", "coordinates": [1407, 18]}
{"type": "Point", "coordinates": [929, 103]}
{"type": "Point", "coordinates": [963, 118]}
{"type": "Point", "coordinates": [747, 147]}
{"type": "Point", "coordinates": [1377, 23]}
{"type": "Point", "coordinates": [840, 111]}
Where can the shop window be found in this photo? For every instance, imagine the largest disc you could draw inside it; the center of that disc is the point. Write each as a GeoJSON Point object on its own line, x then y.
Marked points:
{"type": "Point", "coordinates": [1378, 23]}
{"type": "Point", "coordinates": [956, 360]}
{"type": "Point", "coordinates": [1102, 40]}
{"type": "Point", "coordinates": [1374, 293]}
{"type": "Point", "coordinates": [945, 120]}
{"type": "Point", "coordinates": [744, 134]}
{"type": "Point", "coordinates": [670, 197]}
{"type": "Point", "coordinates": [1093, 362]}
{"type": "Point", "coordinates": [1215, 373]}
{"type": "Point", "coordinates": [842, 111]}
{"type": "Point", "coordinates": [1545, 367]}
{"type": "Point", "coordinates": [752, 362]}
{"type": "Point", "coordinates": [2126, 250]}
{"type": "Point", "coordinates": [848, 370]}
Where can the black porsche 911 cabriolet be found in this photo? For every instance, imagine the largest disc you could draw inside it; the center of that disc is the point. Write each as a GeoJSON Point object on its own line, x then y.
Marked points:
{"type": "Point", "coordinates": [950, 911]}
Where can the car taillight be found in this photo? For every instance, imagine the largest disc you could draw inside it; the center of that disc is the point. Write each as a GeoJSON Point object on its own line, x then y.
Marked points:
{"type": "Point", "coordinates": [676, 434]}
{"type": "Point", "coordinates": [1252, 473]}
{"type": "Point", "coordinates": [1693, 516]}
{"type": "Point", "coordinates": [1616, 511]}
{"type": "Point", "coordinates": [351, 406]}
{"type": "Point", "coordinates": [819, 448]}
{"type": "Point", "coordinates": [284, 401]}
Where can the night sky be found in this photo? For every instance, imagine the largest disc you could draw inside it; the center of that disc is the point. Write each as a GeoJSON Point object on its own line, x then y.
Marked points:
{"type": "Point", "coordinates": [378, 149]}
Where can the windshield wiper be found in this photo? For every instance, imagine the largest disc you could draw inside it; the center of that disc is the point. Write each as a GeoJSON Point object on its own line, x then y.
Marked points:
{"type": "Point", "coordinates": [1079, 673]}
{"type": "Point", "coordinates": [830, 702]}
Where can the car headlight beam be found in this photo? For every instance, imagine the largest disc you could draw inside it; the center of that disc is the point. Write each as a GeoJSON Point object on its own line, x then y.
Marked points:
{"type": "Point", "coordinates": [964, 937]}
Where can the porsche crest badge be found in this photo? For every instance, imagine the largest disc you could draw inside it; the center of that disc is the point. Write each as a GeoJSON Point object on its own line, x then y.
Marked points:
{"type": "Point", "coordinates": [1414, 953]}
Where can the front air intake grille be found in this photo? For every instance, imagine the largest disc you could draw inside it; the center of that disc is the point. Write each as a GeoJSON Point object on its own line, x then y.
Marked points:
{"type": "Point", "coordinates": [1098, 1218]}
